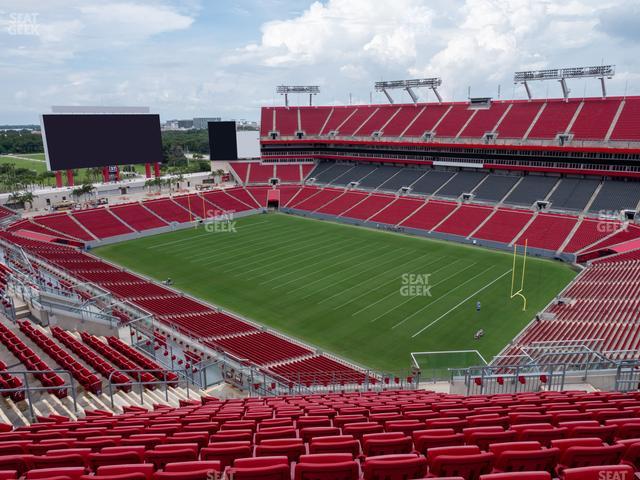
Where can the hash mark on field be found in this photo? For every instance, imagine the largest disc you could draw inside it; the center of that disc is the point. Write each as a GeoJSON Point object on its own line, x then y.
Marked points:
{"type": "Point", "coordinates": [438, 299]}
{"type": "Point", "coordinates": [368, 280]}
{"type": "Point", "coordinates": [395, 292]}
{"type": "Point", "coordinates": [436, 284]}
{"type": "Point", "coordinates": [462, 302]}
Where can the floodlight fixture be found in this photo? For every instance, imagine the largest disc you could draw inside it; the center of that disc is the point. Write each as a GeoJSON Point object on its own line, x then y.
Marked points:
{"type": "Point", "coordinates": [287, 89]}
{"type": "Point", "coordinates": [409, 85]}
{"type": "Point", "coordinates": [562, 74]}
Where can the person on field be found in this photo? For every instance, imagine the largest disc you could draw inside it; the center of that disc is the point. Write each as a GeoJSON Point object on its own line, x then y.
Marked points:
{"type": "Point", "coordinates": [478, 306]}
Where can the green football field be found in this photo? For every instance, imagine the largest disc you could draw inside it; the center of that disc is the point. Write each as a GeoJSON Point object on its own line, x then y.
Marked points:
{"type": "Point", "coordinates": [369, 296]}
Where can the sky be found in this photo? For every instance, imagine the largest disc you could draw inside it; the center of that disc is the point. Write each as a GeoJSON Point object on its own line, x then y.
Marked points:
{"type": "Point", "coordinates": [193, 58]}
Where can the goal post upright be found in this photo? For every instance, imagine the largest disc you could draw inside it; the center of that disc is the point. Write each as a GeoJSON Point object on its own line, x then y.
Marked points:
{"type": "Point", "coordinates": [520, 292]}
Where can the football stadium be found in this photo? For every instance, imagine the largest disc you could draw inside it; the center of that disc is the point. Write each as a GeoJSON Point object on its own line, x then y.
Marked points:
{"type": "Point", "coordinates": [382, 290]}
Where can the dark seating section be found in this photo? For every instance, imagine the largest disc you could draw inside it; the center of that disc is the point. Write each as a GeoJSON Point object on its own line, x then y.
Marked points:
{"type": "Point", "coordinates": [357, 173]}
{"type": "Point", "coordinates": [405, 178]}
{"type": "Point", "coordinates": [530, 189]}
{"type": "Point", "coordinates": [333, 172]}
{"type": "Point", "coordinates": [339, 436]}
{"type": "Point", "coordinates": [616, 195]}
{"type": "Point", "coordinates": [573, 194]}
{"type": "Point", "coordinates": [379, 176]}
{"type": "Point", "coordinates": [431, 182]}
{"type": "Point", "coordinates": [463, 182]}
{"type": "Point", "coordinates": [495, 187]}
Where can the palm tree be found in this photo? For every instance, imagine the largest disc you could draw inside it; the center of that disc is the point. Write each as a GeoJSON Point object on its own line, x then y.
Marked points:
{"type": "Point", "coordinates": [22, 198]}
{"type": "Point", "coordinates": [155, 182]}
{"type": "Point", "coordinates": [81, 191]}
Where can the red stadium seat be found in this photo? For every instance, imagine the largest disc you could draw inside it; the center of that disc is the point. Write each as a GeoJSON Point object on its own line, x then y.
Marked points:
{"type": "Point", "coordinates": [394, 467]}
{"type": "Point", "coordinates": [600, 472]}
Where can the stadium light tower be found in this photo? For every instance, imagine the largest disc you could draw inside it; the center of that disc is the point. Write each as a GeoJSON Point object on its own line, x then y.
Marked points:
{"type": "Point", "coordinates": [287, 89]}
{"type": "Point", "coordinates": [561, 75]}
{"type": "Point", "coordinates": [409, 85]}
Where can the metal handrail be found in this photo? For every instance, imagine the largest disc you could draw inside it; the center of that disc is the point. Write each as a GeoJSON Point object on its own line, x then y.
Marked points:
{"type": "Point", "coordinates": [28, 389]}
{"type": "Point", "coordinates": [131, 384]}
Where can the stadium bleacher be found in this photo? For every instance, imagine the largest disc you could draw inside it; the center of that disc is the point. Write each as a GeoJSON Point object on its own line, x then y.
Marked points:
{"type": "Point", "coordinates": [362, 436]}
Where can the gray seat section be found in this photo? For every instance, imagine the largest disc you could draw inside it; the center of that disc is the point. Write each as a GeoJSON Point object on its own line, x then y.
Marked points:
{"type": "Point", "coordinates": [573, 194]}
{"type": "Point", "coordinates": [617, 195]}
{"type": "Point", "coordinates": [355, 174]}
{"type": "Point", "coordinates": [333, 173]}
{"type": "Point", "coordinates": [379, 176]}
{"type": "Point", "coordinates": [432, 181]}
{"type": "Point", "coordinates": [321, 168]}
{"type": "Point", "coordinates": [495, 187]}
{"type": "Point", "coordinates": [404, 178]}
{"type": "Point", "coordinates": [463, 182]}
{"type": "Point", "coordinates": [530, 189]}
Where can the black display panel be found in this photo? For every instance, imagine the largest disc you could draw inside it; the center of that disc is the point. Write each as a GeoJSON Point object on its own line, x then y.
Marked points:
{"type": "Point", "coordinates": [96, 140]}
{"type": "Point", "coordinates": [223, 144]}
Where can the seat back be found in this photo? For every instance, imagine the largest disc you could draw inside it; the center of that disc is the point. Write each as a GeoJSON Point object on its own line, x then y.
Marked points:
{"type": "Point", "coordinates": [344, 470]}
{"type": "Point", "coordinates": [574, 457]}
{"type": "Point", "coordinates": [271, 472]}
{"type": "Point", "coordinates": [394, 467]}
{"type": "Point", "coordinates": [527, 461]}
{"type": "Point", "coordinates": [470, 467]}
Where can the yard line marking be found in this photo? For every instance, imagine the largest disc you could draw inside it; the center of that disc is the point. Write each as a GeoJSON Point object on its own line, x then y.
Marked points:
{"type": "Point", "coordinates": [277, 254]}
{"type": "Point", "coordinates": [436, 284]}
{"type": "Point", "coordinates": [462, 302]}
{"type": "Point", "coordinates": [395, 292]}
{"type": "Point", "coordinates": [376, 266]}
{"type": "Point", "coordinates": [342, 271]}
{"type": "Point", "coordinates": [314, 263]}
{"type": "Point", "coordinates": [160, 245]}
{"type": "Point", "coordinates": [314, 272]}
{"type": "Point", "coordinates": [438, 299]}
{"type": "Point", "coordinates": [359, 285]}
{"type": "Point", "coordinates": [223, 248]}
{"type": "Point", "coordinates": [245, 245]}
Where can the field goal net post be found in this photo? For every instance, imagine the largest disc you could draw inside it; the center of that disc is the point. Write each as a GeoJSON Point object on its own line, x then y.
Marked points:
{"type": "Point", "coordinates": [438, 365]}
{"type": "Point", "coordinates": [517, 281]}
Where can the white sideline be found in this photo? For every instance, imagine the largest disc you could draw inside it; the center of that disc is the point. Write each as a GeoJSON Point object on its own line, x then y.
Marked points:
{"type": "Point", "coordinates": [463, 301]}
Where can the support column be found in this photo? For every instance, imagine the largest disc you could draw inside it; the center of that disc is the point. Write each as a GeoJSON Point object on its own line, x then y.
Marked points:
{"type": "Point", "coordinates": [147, 170]}
{"type": "Point", "coordinates": [105, 174]}
{"type": "Point", "coordinates": [156, 169]}
{"type": "Point", "coordinates": [70, 178]}
{"type": "Point", "coordinates": [58, 175]}
{"type": "Point", "coordinates": [117, 173]}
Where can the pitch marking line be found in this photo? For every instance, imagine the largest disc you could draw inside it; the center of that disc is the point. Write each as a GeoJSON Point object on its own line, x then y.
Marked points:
{"type": "Point", "coordinates": [306, 285]}
{"type": "Point", "coordinates": [395, 292]}
{"type": "Point", "coordinates": [378, 265]}
{"type": "Point", "coordinates": [275, 247]}
{"type": "Point", "coordinates": [314, 272]}
{"type": "Point", "coordinates": [223, 248]}
{"type": "Point", "coordinates": [304, 246]}
{"type": "Point", "coordinates": [446, 294]}
{"type": "Point", "coordinates": [440, 298]}
{"type": "Point", "coordinates": [439, 283]}
{"type": "Point", "coordinates": [160, 245]}
{"type": "Point", "coordinates": [304, 267]}
{"type": "Point", "coordinates": [303, 260]}
{"type": "Point", "coordinates": [459, 304]}
{"type": "Point", "coordinates": [370, 279]}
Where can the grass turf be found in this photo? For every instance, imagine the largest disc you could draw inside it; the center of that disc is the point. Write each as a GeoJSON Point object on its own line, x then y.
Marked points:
{"type": "Point", "coordinates": [339, 287]}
